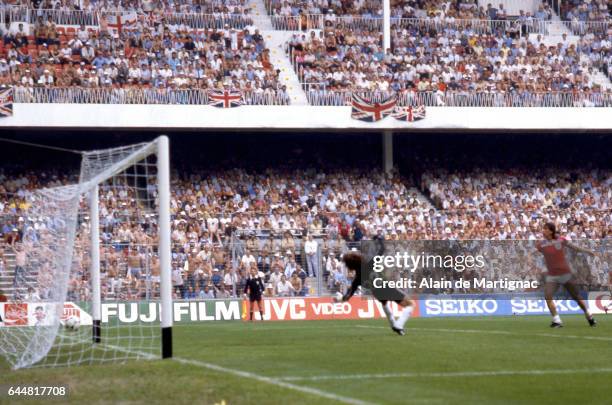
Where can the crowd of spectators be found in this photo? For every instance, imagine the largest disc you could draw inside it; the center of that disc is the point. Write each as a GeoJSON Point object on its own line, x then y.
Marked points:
{"type": "Point", "coordinates": [452, 60]}
{"type": "Point", "coordinates": [503, 205]}
{"type": "Point", "coordinates": [160, 55]}
{"type": "Point", "coordinates": [399, 9]}
{"type": "Point", "coordinates": [162, 7]}
{"type": "Point", "coordinates": [439, 10]}
{"type": "Point", "coordinates": [162, 51]}
{"type": "Point", "coordinates": [293, 226]}
{"type": "Point", "coordinates": [586, 11]}
{"type": "Point", "coordinates": [294, 223]}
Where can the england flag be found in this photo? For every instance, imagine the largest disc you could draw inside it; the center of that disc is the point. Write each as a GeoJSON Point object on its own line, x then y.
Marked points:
{"type": "Point", "coordinates": [116, 23]}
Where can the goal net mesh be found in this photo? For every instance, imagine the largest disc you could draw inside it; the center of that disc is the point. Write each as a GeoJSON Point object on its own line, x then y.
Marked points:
{"type": "Point", "coordinates": [47, 320]}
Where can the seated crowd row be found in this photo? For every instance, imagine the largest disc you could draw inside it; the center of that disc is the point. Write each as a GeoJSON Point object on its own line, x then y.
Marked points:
{"type": "Point", "coordinates": [296, 224]}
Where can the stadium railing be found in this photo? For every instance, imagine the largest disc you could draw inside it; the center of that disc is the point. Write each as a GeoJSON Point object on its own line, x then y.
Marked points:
{"type": "Point", "coordinates": [89, 18]}
{"type": "Point", "coordinates": [11, 13]}
{"type": "Point", "coordinates": [316, 94]}
{"type": "Point", "coordinates": [289, 23]}
{"type": "Point", "coordinates": [475, 25]}
{"type": "Point", "coordinates": [210, 21]}
{"type": "Point", "coordinates": [63, 17]}
{"type": "Point", "coordinates": [319, 96]}
{"type": "Point", "coordinates": [250, 239]}
{"type": "Point", "coordinates": [314, 21]}
{"type": "Point", "coordinates": [578, 28]}
{"type": "Point", "coordinates": [83, 95]}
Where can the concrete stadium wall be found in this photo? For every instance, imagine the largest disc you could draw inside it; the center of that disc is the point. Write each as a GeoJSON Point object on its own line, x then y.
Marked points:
{"type": "Point", "coordinates": [297, 117]}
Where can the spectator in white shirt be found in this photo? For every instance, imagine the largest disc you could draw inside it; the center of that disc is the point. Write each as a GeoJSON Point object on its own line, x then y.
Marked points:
{"type": "Point", "coordinates": [247, 260]}
{"type": "Point", "coordinates": [284, 287]}
{"type": "Point", "coordinates": [275, 277]}
{"type": "Point", "coordinates": [88, 53]}
{"type": "Point", "coordinates": [83, 34]}
{"type": "Point", "coordinates": [312, 259]}
{"type": "Point", "coordinates": [27, 80]}
{"type": "Point", "coordinates": [230, 280]}
{"type": "Point", "coordinates": [46, 79]}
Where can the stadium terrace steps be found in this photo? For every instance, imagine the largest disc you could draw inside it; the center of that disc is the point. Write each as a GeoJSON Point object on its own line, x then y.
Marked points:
{"type": "Point", "coordinates": [421, 197]}
{"type": "Point", "coordinates": [276, 41]}
{"type": "Point", "coordinates": [260, 15]}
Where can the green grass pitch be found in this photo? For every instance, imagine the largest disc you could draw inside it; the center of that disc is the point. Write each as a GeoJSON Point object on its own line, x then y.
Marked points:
{"type": "Point", "coordinates": [494, 360]}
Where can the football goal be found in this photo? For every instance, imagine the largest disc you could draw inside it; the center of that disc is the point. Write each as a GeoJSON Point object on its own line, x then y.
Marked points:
{"type": "Point", "coordinates": [91, 275]}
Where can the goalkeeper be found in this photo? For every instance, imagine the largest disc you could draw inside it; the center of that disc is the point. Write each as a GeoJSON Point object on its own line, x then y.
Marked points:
{"type": "Point", "coordinates": [353, 261]}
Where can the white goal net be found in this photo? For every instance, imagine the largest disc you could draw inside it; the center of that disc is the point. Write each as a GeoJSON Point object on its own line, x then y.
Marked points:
{"type": "Point", "coordinates": [88, 265]}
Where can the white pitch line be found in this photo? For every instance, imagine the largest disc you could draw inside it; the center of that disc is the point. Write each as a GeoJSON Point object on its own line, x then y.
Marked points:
{"type": "Point", "coordinates": [252, 376]}
{"type": "Point", "coordinates": [494, 332]}
{"type": "Point", "coordinates": [446, 374]}
{"type": "Point", "coordinates": [273, 381]}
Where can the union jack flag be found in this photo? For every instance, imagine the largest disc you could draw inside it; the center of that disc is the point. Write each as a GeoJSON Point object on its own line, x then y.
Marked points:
{"type": "Point", "coordinates": [409, 114]}
{"type": "Point", "coordinates": [366, 110]}
{"type": "Point", "coordinates": [225, 98]}
{"type": "Point", "coordinates": [6, 102]}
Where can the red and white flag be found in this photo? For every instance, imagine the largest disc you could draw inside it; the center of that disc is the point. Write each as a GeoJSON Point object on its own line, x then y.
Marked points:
{"type": "Point", "coordinates": [116, 23]}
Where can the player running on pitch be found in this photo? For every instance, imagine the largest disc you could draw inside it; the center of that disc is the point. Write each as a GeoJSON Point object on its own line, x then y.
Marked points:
{"type": "Point", "coordinates": [353, 260]}
{"type": "Point", "coordinates": [254, 286]}
{"type": "Point", "coordinates": [559, 272]}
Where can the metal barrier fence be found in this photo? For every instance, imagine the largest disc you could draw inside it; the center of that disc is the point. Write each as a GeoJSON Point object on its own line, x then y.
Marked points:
{"type": "Point", "coordinates": [473, 25]}
{"type": "Point", "coordinates": [81, 95]}
{"type": "Point", "coordinates": [63, 17]}
{"type": "Point", "coordinates": [288, 246]}
{"type": "Point", "coordinates": [320, 97]}
{"type": "Point", "coordinates": [317, 21]}
{"type": "Point", "coordinates": [210, 21]}
{"type": "Point", "coordinates": [88, 18]}
{"type": "Point", "coordinates": [282, 250]}
{"type": "Point", "coordinates": [316, 96]}
{"type": "Point", "coordinates": [15, 13]}
{"type": "Point", "coordinates": [289, 23]}
{"type": "Point", "coordinates": [572, 27]}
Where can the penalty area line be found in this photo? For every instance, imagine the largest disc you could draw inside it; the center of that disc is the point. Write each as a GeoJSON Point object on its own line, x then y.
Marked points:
{"type": "Point", "coordinates": [449, 374]}
{"type": "Point", "coordinates": [252, 376]}
{"type": "Point", "coordinates": [272, 381]}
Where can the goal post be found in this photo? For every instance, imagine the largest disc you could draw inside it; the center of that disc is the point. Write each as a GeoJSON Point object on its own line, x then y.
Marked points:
{"type": "Point", "coordinates": [163, 179]}
{"type": "Point", "coordinates": [96, 295]}
{"type": "Point", "coordinates": [100, 252]}
{"type": "Point", "coordinates": [162, 150]}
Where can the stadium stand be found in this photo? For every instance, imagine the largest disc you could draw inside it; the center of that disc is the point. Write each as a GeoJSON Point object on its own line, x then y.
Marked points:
{"type": "Point", "coordinates": [225, 222]}
{"type": "Point", "coordinates": [450, 67]}
{"type": "Point", "coordinates": [443, 53]}
{"type": "Point", "coordinates": [174, 52]}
